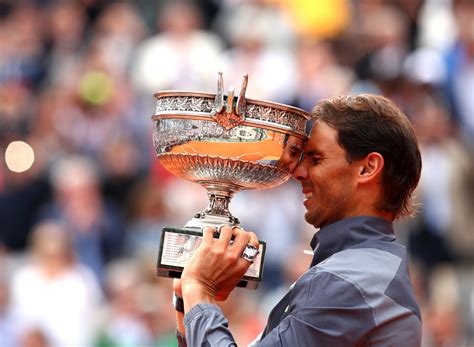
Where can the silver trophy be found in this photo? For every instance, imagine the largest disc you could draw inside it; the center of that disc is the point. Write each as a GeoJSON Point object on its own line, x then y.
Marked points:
{"type": "Point", "coordinates": [226, 144]}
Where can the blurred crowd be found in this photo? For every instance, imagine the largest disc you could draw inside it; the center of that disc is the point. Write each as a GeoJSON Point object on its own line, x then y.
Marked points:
{"type": "Point", "coordinates": [80, 229]}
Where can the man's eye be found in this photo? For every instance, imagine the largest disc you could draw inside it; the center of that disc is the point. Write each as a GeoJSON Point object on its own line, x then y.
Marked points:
{"type": "Point", "coordinates": [315, 160]}
{"type": "Point", "coordinates": [295, 150]}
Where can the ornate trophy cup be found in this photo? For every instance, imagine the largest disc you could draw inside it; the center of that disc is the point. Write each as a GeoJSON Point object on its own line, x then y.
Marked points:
{"type": "Point", "coordinates": [226, 144]}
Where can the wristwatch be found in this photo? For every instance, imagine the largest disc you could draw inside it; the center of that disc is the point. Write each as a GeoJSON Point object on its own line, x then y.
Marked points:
{"type": "Point", "coordinates": [178, 303]}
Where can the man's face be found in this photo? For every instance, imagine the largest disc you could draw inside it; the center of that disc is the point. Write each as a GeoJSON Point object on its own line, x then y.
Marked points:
{"type": "Point", "coordinates": [327, 178]}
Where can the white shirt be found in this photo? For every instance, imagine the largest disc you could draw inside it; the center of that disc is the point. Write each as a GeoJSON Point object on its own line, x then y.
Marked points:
{"type": "Point", "coordinates": [62, 307]}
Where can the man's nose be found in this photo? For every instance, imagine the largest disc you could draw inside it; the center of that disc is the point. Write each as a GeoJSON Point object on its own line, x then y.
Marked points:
{"type": "Point", "coordinates": [300, 173]}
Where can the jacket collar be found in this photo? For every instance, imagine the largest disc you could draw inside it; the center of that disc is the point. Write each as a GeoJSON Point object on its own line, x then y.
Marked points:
{"type": "Point", "coordinates": [347, 232]}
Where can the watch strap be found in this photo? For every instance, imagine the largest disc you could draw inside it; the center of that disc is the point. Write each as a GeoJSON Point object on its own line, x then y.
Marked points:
{"type": "Point", "coordinates": [178, 303]}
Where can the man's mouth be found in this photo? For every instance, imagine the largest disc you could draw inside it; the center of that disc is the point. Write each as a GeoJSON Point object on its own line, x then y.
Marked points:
{"type": "Point", "coordinates": [308, 194]}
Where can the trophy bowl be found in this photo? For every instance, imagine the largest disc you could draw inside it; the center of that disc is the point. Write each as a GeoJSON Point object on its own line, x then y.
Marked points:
{"type": "Point", "coordinates": [226, 144]}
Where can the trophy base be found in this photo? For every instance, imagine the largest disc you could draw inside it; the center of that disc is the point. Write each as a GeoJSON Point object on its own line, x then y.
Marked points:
{"type": "Point", "coordinates": [178, 245]}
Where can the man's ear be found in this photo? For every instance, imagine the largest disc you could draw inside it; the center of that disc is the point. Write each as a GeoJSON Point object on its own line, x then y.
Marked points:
{"type": "Point", "coordinates": [370, 168]}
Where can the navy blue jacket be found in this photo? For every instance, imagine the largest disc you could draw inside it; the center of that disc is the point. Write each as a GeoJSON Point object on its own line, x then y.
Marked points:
{"type": "Point", "coordinates": [357, 292]}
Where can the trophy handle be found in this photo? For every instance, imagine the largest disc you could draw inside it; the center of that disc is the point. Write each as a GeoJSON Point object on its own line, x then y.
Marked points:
{"type": "Point", "coordinates": [217, 212]}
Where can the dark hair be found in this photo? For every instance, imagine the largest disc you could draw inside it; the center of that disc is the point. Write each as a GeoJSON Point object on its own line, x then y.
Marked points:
{"type": "Point", "coordinates": [372, 123]}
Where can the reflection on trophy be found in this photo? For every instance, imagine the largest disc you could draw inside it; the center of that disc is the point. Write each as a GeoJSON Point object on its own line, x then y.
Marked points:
{"type": "Point", "coordinates": [226, 144]}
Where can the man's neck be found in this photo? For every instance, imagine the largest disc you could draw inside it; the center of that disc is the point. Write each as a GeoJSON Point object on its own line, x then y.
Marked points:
{"type": "Point", "coordinates": [364, 209]}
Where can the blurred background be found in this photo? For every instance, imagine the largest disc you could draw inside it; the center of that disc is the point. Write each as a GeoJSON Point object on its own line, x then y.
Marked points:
{"type": "Point", "coordinates": [83, 199]}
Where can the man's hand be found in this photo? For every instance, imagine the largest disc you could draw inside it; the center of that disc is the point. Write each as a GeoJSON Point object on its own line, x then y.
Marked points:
{"type": "Point", "coordinates": [216, 267]}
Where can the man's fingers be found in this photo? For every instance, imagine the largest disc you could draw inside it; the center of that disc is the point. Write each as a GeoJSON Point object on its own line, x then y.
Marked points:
{"type": "Point", "coordinates": [254, 240]}
{"type": "Point", "coordinates": [225, 235]}
{"type": "Point", "coordinates": [239, 247]}
{"type": "Point", "coordinates": [241, 239]}
{"type": "Point", "coordinates": [207, 235]}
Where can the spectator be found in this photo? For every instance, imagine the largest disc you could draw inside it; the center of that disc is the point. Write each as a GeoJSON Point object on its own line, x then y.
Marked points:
{"type": "Point", "coordinates": [9, 323]}
{"type": "Point", "coordinates": [123, 323]}
{"type": "Point", "coordinates": [444, 232]}
{"type": "Point", "coordinates": [181, 55]}
{"type": "Point", "coordinates": [53, 292]}
{"type": "Point", "coordinates": [95, 226]}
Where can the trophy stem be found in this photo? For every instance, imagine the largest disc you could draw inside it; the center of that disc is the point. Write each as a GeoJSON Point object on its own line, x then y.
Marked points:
{"type": "Point", "coordinates": [217, 212]}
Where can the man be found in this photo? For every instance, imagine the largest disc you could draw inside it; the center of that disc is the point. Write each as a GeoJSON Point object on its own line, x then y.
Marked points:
{"type": "Point", "coordinates": [358, 171]}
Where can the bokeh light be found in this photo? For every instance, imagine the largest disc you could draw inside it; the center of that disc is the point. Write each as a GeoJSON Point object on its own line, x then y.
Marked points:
{"type": "Point", "coordinates": [19, 156]}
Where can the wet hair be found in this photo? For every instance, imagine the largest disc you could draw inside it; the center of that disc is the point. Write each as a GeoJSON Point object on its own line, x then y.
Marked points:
{"type": "Point", "coordinates": [371, 123]}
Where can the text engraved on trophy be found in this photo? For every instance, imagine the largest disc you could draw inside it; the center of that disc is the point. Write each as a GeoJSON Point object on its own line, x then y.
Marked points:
{"type": "Point", "coordinates": [178, 248]}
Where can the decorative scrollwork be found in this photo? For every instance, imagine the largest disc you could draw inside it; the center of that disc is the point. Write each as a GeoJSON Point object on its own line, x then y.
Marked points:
{"type": "Point", "coordinates": [239, 173]}
{"type": "Point", "coordinates": [253, 111]}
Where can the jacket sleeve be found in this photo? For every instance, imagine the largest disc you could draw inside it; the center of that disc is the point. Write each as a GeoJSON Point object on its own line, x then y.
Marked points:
{"type": "Point", "coordinates": [206, 326]}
